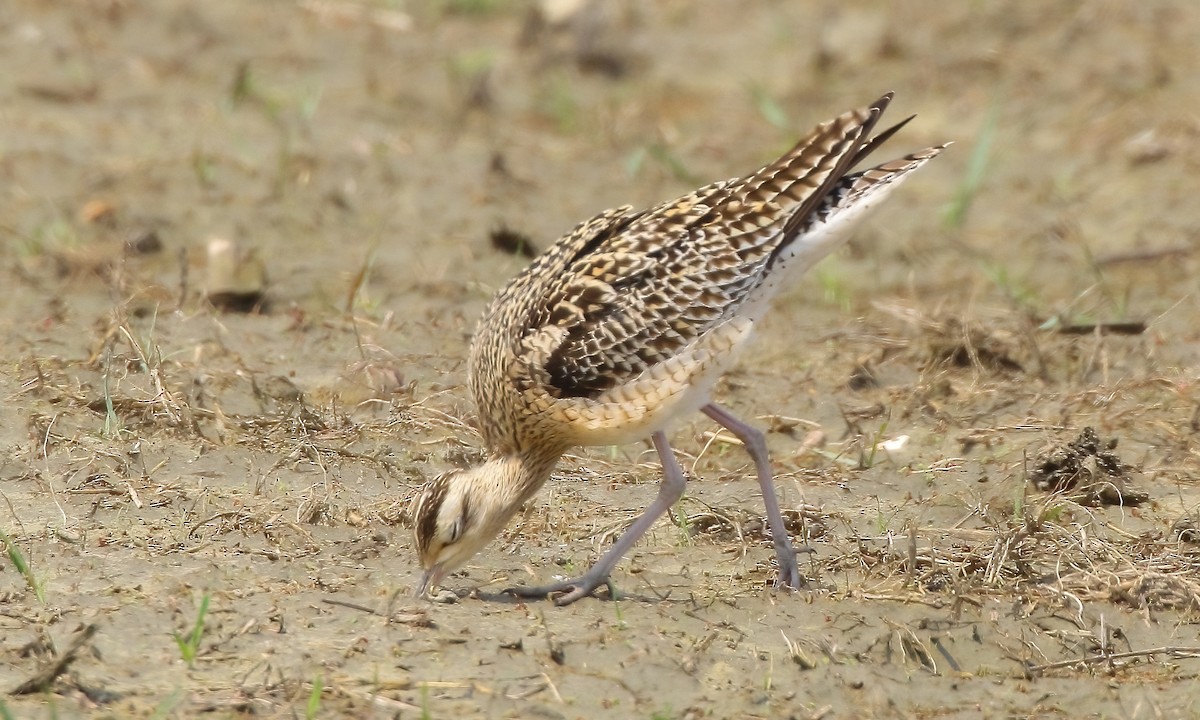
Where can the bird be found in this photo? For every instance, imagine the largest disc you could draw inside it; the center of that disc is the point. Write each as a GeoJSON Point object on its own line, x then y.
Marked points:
{"type": "Point", "coordinates": [626, 324]}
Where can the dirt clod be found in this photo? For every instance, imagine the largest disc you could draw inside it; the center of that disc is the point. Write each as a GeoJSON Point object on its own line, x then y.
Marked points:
{"type": "Point", "coordinates": [1089, 470]}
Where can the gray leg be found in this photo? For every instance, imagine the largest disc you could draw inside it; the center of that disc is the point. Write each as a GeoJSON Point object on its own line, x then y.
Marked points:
{"type": "Point", "coordinates": [756, 445]}
{"type": "Point", "coordinates": [669, 492]}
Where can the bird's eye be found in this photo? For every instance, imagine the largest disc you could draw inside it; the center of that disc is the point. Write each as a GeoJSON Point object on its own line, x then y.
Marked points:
{"type": "Point", "coordinates": [456, 530]}
{"type": "Point", "coordinates": [460, 523]}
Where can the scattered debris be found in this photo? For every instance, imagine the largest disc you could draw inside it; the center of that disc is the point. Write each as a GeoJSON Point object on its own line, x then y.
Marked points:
{"type": "Point", "coordinates": [1130, 327]}
{"type": "Point", "coordinates": [418, 617]}
{"type": "Point", "coordinates": [1146, 254]}
{"type": "Point", "coordinates": [99, 212]}
{"type": "Point", "coordinates": [1171, 651]}
{"type": "Point", "coordinates": [277, 388]}
{"type": "Point", "coordinates": [144, 243]}
{"type": "Point", "coordinates": [1186, 529]}
{"type": "Point", "coordinates": [44, 678]}
{"type": "Point", "coordinates": [813, 440]}
{"type": "Point", "coordinates": [971, 345]}
{"type": "Point", "coordinates": [1148, 146]}
{"type": "Point", "coordinates": [975, 343]}
{"type": "Point", "coordinates": [1090, 470]}
{"type": "Point", "coordinates": [862, 377]}
{"type": "Point", "coordinates": [444, 597]}
{"type": "Point", "coordinates": [237, 276]}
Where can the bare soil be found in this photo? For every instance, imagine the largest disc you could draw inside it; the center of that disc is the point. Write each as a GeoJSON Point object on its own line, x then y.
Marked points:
{"type": "Point", "coordinates": [972, 551]}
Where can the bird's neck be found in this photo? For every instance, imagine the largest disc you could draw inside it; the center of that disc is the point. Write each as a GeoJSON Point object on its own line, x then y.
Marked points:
{"type": "Point", "coordinates": [518, 476]}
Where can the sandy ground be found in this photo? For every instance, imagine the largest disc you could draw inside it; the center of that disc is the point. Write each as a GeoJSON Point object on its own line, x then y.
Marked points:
{"type": "Point", "coordinates": [210, 506]}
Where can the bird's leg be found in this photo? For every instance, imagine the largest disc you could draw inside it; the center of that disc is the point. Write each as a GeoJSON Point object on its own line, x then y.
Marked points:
{"type": "Point", "coordinates": [669, 492]}
{"type": "Point", "coordinates": [756, 445]}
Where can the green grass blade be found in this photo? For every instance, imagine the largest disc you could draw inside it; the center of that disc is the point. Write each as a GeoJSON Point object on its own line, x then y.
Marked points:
{"type": "Point", "coordinates": [17, 558]}
{"type": "Point", "coordinates": [977, 164]}
{"type": "Point", "coordinates": [313, 708]}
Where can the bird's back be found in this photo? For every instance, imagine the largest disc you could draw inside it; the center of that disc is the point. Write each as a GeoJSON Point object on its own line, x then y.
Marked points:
{"type": "Point", "coordinates": [656, 301]}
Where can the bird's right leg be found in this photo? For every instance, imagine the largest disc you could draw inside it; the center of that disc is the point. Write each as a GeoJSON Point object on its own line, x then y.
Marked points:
{"type": "Point", "coordinates": [669, 492]}
{"type": "Point", "coordinates": [756, 445]}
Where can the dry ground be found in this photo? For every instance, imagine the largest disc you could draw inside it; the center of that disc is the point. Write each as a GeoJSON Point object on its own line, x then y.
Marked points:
{"type": "Point", "coordinates": [211, 506]}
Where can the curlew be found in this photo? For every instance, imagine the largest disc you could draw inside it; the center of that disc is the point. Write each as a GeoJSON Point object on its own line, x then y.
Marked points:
{"type": "Point", "coordinates": [625, 325]}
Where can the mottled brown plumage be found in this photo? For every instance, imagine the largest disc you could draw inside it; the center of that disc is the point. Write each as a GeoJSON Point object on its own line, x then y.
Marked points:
{"type": "Point", "coordinates": [627, 322]}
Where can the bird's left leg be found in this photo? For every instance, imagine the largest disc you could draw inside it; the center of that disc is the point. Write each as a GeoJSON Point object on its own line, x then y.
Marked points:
{"type": "Point", "coordinates": [756, 445]}
{"type": "Point", "coordinates": [669, 492]}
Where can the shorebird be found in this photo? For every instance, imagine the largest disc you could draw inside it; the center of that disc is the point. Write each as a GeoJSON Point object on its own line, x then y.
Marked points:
{"type": "Point", "coordinates": [626, 324]}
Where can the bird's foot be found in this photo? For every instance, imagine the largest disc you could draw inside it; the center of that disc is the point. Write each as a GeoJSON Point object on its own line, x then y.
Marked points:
{"type": "Point", "coordinates": [789, 570]}
{"type": "Point", "coordinates": [567, 591]}
{"type": "Point", "coordinates": [790, 578]}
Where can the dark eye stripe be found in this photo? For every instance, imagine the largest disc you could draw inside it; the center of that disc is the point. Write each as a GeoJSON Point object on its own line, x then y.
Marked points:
{"type": "Point", "coordinates": [466, 515]}
{"type": "Point", "coordinates": [429, 502]}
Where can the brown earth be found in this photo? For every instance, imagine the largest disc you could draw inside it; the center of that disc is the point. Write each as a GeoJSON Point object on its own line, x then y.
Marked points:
{"type": "Point", "coordinates": [164, 461]}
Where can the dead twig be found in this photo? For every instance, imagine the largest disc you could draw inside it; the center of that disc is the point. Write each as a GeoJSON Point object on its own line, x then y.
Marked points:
{"type": "Point", "coordinates": [419, 619]}
{"type": "Point", "coordinates": [44, 678]}
{"type": "Point", "coordinates": [1173, 650]}
{"type": "Point", "coordinates": [352, 606]}
{"type": "Point", "coordinates": [1147, 255]}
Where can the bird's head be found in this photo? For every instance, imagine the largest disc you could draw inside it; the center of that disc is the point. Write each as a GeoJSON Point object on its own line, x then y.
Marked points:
{"type": "Point", "coordinates": [455, 515]}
